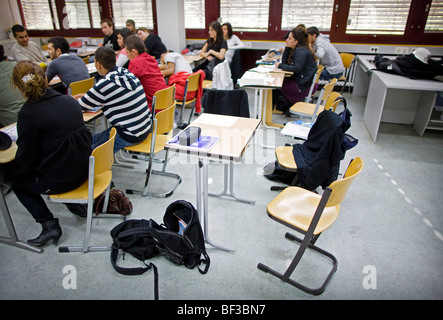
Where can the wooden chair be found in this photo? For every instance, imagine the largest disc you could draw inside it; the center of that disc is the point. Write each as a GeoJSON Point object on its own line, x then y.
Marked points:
{"type": "Point", "coordinates": [99, 181]}
{"type": "Point", "coordinates": [310, 214]}
{"type": "Point", "coordinates": [153, 144]}
{"type": "Point", "coordinates": [85, 59]}
{"type": "Point", "coordinates": [333, 101]}
{"type": "Point", "coordinates": [81, 86]}
{"type": "Point", "coordinates": [312, 110]}
{"type": "Point", "coordinates": [192, 85]}
{"type": "Point", "coordinates": [348, 60]}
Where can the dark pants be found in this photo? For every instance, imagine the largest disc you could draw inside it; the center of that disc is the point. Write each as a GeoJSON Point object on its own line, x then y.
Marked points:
{"type": "Point", "coordinates": [29, 189]}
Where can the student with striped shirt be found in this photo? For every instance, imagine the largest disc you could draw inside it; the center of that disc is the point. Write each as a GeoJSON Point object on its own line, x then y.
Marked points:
{"type": "Point", "coordinates": [124, 102]}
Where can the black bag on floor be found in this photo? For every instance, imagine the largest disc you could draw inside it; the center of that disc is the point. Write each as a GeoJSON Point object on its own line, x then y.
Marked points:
{"type": "Point", "coordinates": [180, 239]}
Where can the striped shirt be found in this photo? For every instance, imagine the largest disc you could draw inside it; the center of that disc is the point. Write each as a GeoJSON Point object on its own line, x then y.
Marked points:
{"type": "Point", "coordinates": [124, 104]}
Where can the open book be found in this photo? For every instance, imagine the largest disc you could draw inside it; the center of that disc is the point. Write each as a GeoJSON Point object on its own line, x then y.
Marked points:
{"type": "Point", "coordinates": [297, 129]}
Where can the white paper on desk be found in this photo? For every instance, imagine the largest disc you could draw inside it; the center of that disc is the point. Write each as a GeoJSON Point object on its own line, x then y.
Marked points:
{"type": "Point", "coordinates": [215, 120]}
{"type": "Point", "coordinates": [298, 129]}
{"type": "Point", "coordinates": [11, 131]}
{"type": "Point", "coordinates": [255, 79]}
{"type": "Point", "coordinates": [263, 69]}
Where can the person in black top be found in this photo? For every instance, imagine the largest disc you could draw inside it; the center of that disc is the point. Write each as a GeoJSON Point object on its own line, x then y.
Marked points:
{"type": "Point", "coordinates": [54, 146]}
{"type": "Point", "coordinates": [110, 39]}
{"type": "Point", "coordinates": [214, 49]}
{"type": "Point", "coordinates": [153, 43]}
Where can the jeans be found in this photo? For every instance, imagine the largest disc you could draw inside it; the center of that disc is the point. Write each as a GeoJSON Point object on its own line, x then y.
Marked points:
{"type": "Point", "coordinates": [29, 189]}
{"type": "Point", "coordinates": [325, 75]}
{"type": "Point", "coordinates": [102, 137]}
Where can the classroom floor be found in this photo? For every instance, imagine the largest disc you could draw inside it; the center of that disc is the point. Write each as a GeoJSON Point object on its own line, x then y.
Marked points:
{"type": "Point", "coordinates": [388, 239]}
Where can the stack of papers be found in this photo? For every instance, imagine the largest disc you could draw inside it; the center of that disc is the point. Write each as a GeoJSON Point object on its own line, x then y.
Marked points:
{"type": "Point", "coordinates": [297, 129]}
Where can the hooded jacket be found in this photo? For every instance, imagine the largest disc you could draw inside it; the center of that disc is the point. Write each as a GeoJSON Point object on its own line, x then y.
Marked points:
{"type": "Point", "coordinates": [124, 104]}
{"type": "Point", "coordinates": [53, 141]}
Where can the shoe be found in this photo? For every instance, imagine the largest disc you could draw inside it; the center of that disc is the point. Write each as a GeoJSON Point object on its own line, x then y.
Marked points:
{"type": "Point", "coordinates": [51, 231]}
{"type": "Point", "coordinates": [80, 210]}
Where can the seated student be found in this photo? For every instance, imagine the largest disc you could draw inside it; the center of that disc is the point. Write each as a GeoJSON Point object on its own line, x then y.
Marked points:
{"type": "Point", "coordinates": [130, 24]}
{"type": "Point", "coordinates": [53, 152]}
{"type": "Point", "coordinates": [122, 58]}
{"type": "Point", "coordinates": [110, 39]}
{"type": "Point", "coordinates": [145, 67]}
{"type": "Point", "coordinates": [69, 67]}
{"type": "Point", "coordinates": [25, 50]}
{"type": "Point", "coordinates": [328, 55]}
{"type": "Point", "coordinates": [11, 99]}
{"type": "Point", "coordinates": [299, 59]}
{"type": "Point", "coordinates": [123, 99]}
{"type": "Point", "coordinates": [153, 43]}
{"type": "Point", "coordinates": [172, 63]}
{"type": "Point", "coordinates": [233, 41]}
{"type": "Point", "coordinates": [214, 49]}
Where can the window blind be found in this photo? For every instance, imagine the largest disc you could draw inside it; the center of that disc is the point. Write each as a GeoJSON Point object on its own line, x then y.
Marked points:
{"type": "Point", "coordinates": [310, 13]}
{"type": "Point", "coordinates": [138, 10]}
{"type": "Point", "coordinates": [245, 15]}
{"type": "Point", "coordinates": [37, 14]}
{"type": "Point", "coordinates": [78, 14]}
{"type": "Point", "coordinates": [378, 16]}
{"type": "Point", "coordinates": [435, 16]}
{"type": "Point", "coordinates": [195, 14]}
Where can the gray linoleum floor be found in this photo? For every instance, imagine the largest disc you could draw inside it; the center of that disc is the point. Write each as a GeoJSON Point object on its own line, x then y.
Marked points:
{"type": "Point", "coordinates": [388, 239]}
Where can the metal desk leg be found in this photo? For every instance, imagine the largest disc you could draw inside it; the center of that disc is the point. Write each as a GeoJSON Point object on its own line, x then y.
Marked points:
{"type": "Point", "coordinates": [231, 185]}
{"type": "Point", "coordinates": [202, 179]}
{"type": "Point", "coordinates": [13, 239]}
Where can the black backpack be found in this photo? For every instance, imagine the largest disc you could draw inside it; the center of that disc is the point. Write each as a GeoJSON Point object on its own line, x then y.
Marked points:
{"type": "Point", "coordinates": [180, 240]}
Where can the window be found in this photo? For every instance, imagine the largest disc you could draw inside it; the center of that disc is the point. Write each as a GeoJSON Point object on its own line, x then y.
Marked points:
{"type": "Point", "coordinates": [78, 14]}
{"type": "Point", "coordinates": [37, 14]}
{"type": "Point", "coordinates": [138, 10]}
{"type": "Point", "coordinates": [195, 14]}
{"type": "Point", "coordinates": [245, 15]}
{"type": "Point", "coordinates": [435, 16]}
{"type": "Point", "coordinates": [310, 13]}
{"type": "Point", "coordinates": [378, 17]}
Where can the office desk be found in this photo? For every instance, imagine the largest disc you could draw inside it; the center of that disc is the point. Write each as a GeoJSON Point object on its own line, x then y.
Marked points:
{"type": "Point", "coordinates": [234, 134]}
{"type": "Point", "coordinates": [395, 99]}
{"type": "Point", "coordinates": [13, 240]}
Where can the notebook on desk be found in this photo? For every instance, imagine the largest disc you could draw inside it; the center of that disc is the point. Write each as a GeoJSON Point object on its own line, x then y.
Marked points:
{"type": "Point", "coordinates": [297, 129]}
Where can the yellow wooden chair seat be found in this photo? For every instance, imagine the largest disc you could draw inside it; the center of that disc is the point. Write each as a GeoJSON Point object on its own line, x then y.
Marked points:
{"type": "Point", "coordinates": [285, 157]}
{"type": "Point", "coordinates": [101, 182]}
{"type": "Point", "coordinates": [160, 142]}
{"type": "Point", "coordinates": [296, 206]}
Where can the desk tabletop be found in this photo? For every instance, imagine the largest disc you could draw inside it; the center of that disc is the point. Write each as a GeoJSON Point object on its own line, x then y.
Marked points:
{"type": "Point", "coordinates": [234, 135]}
{"type": "Point", "coordinates": [262, 80]}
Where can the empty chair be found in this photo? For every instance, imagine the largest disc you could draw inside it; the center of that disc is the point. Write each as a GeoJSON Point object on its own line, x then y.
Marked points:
{"type": "Point", "coordinates": [348, 60]}
{"type": "Point", "coordinates": [99, 181]}
{"type": "Point", "coordinates": [310, 214]}
{"type": "Point", "coordinates": [314, 84]}
{"type": "Point", "coordinates": [312, 110]}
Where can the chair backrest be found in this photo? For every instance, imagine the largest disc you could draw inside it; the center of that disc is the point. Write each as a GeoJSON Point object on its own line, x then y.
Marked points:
{"type": "Point", "coordinates": [165, 119]}
{"type": "Point", "coordinates": [193, 82]}
{"type": "Point", "coordinates": [314, 81]}
{"type": "Point", "coordinates": [81, 86]}
{"type": "Point", "coordinates": [86, 59]}
{"type": "Point", "coordinates": [333, 101]}
{"type": "Point", "coordinates": [164, 98]}
{"type": "Point", "coordinates": [328, 88]}
{"type": "Point", "coordinates": [104, 154]}
{"type": "Point", "coordinates": [347, 59]}
{"type": "Point", "coordinates": [340, 187]}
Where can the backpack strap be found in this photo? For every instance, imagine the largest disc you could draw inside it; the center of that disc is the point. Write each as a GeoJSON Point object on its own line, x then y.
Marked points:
{"type": "Point", "coordinates": [206, 261]}
{"type": "Point", "coordinates": [134, 271]}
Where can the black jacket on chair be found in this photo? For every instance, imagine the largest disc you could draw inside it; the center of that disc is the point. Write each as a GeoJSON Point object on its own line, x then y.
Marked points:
{"type": "Point", "coordinates": [226, 102]}
{"type": "Point", "coordinates": [318, 158]}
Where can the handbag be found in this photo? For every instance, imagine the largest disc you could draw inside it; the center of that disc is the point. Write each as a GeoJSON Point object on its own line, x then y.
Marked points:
{"type": "Point", "coordinates": [118, 203]}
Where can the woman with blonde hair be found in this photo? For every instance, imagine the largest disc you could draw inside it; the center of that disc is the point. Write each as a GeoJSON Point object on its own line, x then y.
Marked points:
{"type": "Point", "coordinates": [54, 146]}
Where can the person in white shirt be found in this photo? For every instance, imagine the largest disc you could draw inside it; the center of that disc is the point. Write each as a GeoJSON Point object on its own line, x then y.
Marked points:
{"type": "Point", "coordinates": [25, 50]}
{"type": "Point", "coordinates": [172, 63]}
{"type": "Point", "coordinates": [233, 41]}
{"type": "Point", "coordinates": [328, 55]}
